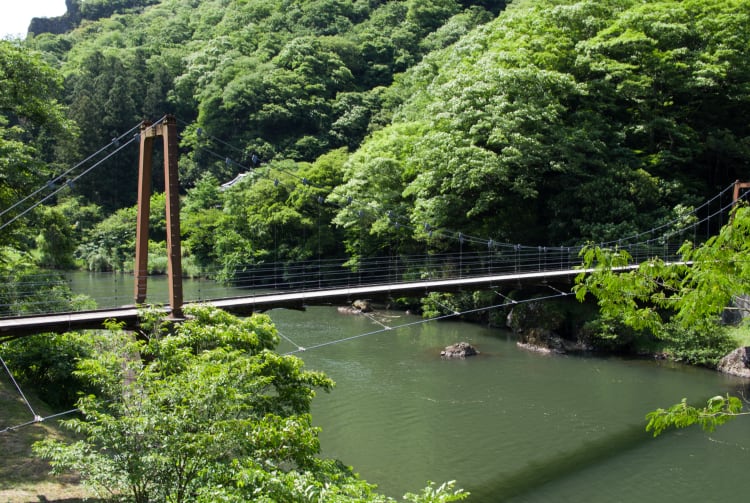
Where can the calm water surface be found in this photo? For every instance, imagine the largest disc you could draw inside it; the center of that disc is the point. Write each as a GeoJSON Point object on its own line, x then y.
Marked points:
{"type": "Point", "coordinates": [508, 425]}
{"type": "Point", "coordinates": [117, 289]}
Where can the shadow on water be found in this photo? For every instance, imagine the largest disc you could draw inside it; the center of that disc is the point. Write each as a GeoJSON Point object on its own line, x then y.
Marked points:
{"type": "Point", "coordinates": [536, 474]}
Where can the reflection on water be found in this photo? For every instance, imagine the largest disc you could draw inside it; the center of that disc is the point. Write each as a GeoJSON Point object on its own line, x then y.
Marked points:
{"type": "Point", "coordinates": [510, 425]}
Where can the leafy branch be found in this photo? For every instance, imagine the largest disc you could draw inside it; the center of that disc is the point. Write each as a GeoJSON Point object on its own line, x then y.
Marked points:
{"type": "Point", "coordinates": [718, 410]}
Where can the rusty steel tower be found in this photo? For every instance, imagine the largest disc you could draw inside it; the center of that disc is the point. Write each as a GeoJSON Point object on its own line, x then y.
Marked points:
{"type": "Point", "coordinates": [167, 129]}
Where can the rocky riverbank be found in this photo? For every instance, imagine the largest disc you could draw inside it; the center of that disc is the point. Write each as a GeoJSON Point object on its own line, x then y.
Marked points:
{"type": "Point", "coordinates": [548, 328]}
{"type": "Point", "coordinates": [567, 326]}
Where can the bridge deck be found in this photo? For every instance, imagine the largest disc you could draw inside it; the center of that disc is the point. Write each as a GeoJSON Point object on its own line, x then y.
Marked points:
{"type": "Point", "coordinates": [62, 322]}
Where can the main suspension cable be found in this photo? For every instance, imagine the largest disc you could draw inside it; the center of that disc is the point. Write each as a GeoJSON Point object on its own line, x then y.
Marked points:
{"type": "Point", "coordinates": [115, 141]}
{"type": "Point", "coordinates": [69, 182]}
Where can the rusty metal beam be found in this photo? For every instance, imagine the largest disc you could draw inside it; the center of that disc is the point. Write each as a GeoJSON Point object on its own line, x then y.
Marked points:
{"type": "Point", "coordinates": [737, 186]}
{"type": "Point", "coordinates": [172, 194]}
{"type": "Point", "coordinates": [144, 207]}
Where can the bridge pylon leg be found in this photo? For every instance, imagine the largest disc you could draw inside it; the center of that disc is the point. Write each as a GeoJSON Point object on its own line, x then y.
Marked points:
{"type": "Point", "coordinates": [144, 208]}
{"type": "Point", "coordinates": [736, 195]}
{"type": "Point", "coordinates": [167, 129]}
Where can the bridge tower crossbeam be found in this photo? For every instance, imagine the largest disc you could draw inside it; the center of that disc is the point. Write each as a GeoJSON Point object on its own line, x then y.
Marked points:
{"type": "Point", "coordinates": [736, 195]}
{"type": "Point", "coordinates": [167, 129]}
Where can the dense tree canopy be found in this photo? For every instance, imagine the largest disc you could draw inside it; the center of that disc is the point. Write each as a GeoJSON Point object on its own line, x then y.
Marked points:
{"type": "Point", "coordinates": [33, 128]}
{"type": "Point", "coordinates": [596, 118]}
{"type": "Point", "coordinates": [288, 79]}
{"type": "Point", "coordinates": [609, 101]}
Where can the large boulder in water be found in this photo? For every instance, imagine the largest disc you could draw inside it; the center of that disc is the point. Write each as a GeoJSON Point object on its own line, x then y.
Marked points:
{"type": "Point", "coordinates": [458, 350]}
{"type": "Point", "coordinates": [356, 307]}
{"type": "Point", "coordinates": [736, 363]}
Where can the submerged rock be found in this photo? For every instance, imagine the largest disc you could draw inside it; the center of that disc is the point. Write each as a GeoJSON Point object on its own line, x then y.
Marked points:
{"type": "Point", "coordinates": [458, 350]}
{"type": "Point", "coordinates": [736, 363]}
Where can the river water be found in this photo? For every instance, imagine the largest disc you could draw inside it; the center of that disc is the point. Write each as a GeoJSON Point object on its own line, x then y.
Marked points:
{"type": "Point", "coordinates": [508, 425]}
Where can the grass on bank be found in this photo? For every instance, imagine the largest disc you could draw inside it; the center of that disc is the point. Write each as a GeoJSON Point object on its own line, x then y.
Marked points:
{"type": "Point", "coordinates": [741, 334]}
{"type": "Point", "coordinates": [25, 478]}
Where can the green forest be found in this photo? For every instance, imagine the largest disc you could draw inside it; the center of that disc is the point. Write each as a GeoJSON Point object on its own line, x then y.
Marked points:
{"type": "Point", "coordinates": [351, 129]}
{"type": "Point", "coordinates": [595, 119]}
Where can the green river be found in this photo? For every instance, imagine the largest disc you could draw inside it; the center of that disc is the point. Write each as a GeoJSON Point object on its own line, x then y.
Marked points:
{"type": "Point", "coordinates": [508, 425]}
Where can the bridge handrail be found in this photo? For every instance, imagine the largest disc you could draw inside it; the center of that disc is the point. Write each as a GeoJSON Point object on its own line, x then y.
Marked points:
{"type": "Point", "coordinates": [26, 297]}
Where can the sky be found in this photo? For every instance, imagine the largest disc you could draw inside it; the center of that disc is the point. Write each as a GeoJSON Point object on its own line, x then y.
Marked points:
{"type": "Point", "coordinates": [15, 15]}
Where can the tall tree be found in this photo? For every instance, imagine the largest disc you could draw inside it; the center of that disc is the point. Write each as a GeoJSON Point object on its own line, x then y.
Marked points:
{"type": "Point", "coordinates": [104, 92]}
{"type": "Point", "coordinates": [32, 122]}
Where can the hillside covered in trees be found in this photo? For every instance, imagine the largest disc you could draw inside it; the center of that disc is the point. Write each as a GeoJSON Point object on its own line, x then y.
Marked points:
{"type": "Point", "coordinates": [377, 122]}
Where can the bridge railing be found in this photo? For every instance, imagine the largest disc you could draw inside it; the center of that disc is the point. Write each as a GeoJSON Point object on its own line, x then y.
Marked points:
{"type": "Point", "coordinates": [51, 292]}
{"type": "Point", "coordinates": [337, 273]}
{"type": "Point", "coordinates": [25, 294]}
{"type": "Point", "coordinates": [332, 273]}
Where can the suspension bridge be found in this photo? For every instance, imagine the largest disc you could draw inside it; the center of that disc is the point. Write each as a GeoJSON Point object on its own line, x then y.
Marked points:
{"type": "Point", "coordinates": [26, 306]}
{"type": "Point", "coordinates": [486, 264]}
{"type": "Point", "coordinates": [295, 286]}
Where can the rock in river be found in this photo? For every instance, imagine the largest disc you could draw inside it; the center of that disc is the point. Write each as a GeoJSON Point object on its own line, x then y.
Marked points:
{"type": "Point", "coordinates": [356, 307]}
{"type": "Point", "coordinates": [736, 363]}
{"type": "Point", "coordinates": [458, 350]}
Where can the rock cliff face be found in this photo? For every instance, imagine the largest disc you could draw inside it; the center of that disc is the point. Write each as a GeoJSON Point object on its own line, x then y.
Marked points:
{"type": "Point", "coordinates": [60, 24]}
{"type": "Point", "coordinates": [54, 25]}
{"type": "Point", "coordinates": [75, 14]}
{"type": "Point", "coordinates": [736, 363]}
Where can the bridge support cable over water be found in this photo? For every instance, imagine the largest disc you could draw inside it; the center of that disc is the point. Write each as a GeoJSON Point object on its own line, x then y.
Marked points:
{"type": "Point", "coordinates": [452, 314]}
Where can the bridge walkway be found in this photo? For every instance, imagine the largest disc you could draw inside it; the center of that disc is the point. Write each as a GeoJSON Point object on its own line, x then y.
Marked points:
{"type": "Point", "coordinates": [11, 328]}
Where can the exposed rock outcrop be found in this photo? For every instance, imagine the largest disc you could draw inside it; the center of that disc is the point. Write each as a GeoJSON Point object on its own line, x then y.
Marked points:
{"type": "Point", "coordinates": [738, 310]}
{"type": "Point", "coordinates": [60, 24]}
{"type": "Point", "coordinates": [356, 307]}
{"type": "Point", "coordinates": [736, 363]}
{"type": "Point", "coordinates": [539, 326]}
{"type": "Point", "coordinates": [458, 350]}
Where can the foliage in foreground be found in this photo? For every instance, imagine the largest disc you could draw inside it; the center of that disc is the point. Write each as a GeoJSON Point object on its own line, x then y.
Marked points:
{"type": "Point", "coordinates": [48, 361]}
{"type": "Point", "coordinates": [663, 299]}
{"type": "Point", "coordinates": [679, 302]}
{"type": "Point", "coordinates": [718, 410]}
{"type": "Point", "coordinates": [208, 413]}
